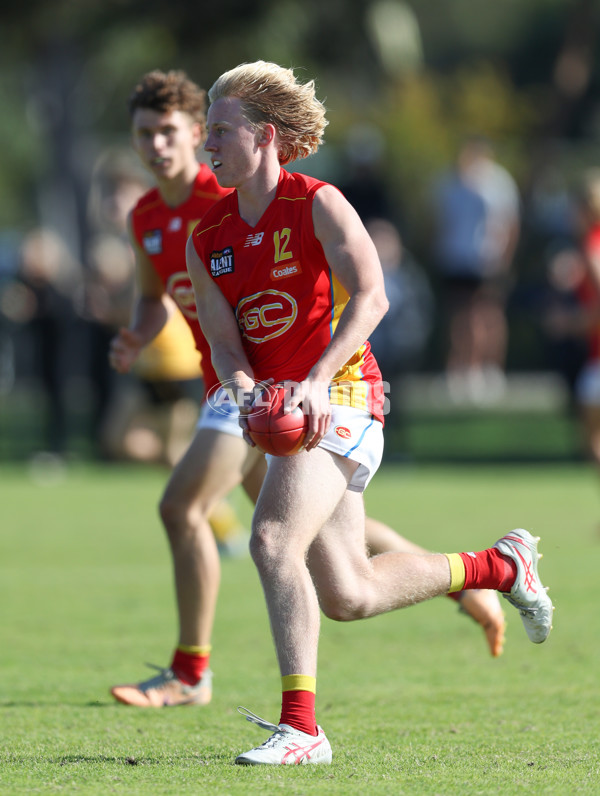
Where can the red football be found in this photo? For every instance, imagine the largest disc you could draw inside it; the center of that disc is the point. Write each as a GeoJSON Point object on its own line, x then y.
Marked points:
{"type": "Point", "coordinates": [273, 431]}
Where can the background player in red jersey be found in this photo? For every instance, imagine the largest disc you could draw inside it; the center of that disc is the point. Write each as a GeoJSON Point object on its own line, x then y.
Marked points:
{"type": "Point", "coordinates": [168, 120]}
{"type": "Point", "coordinates": [308, 531]}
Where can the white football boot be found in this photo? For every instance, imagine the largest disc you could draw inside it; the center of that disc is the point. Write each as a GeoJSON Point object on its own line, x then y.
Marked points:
{"type": "Point", "coordinates": [527, 594]}
{"type": "Point", "coordinates": [286, 746]}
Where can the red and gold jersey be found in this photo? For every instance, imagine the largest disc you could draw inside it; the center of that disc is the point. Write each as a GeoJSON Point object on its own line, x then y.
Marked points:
{"type": "Point", "coordinates": [286, 299]}
{"type": "Point", "coordinates": [162, 232]}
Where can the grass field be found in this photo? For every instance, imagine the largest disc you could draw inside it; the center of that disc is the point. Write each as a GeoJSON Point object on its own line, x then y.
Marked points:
{"type": "Point", "coordinates": [411, 701]}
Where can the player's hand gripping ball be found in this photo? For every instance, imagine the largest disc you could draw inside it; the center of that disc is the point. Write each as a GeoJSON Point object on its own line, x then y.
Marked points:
{"type": "Point", "coordinates": [273, 431]}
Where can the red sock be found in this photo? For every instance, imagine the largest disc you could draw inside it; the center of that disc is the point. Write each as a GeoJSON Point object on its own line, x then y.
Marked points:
{"type": "Point", "coordinates": [489, 569]}
{"type": "Point", "coordinates": [298, 710]}
{"type": "Point", "coordinates": [189, 666]}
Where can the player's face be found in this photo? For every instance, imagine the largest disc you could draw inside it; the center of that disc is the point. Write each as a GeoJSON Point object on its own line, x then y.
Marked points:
{"type": "Point", "coordinates": [165, 142]}
{"type": "Point", "coordinates": [231, 143]}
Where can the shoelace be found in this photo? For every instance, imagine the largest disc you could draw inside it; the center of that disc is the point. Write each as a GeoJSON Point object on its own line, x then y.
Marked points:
{"type": "Point", "coordinates": [523, 610]}
{"type": "Point", "coordinates": [270, 742]}
{"type": "Point", "coordinates": [249, 716]}
{"type": "Point", "coordinates": [164, 676]}
{"type": "Point", "coordinates": [167, 675]}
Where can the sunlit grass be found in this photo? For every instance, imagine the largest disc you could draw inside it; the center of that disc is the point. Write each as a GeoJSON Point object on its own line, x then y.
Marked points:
{"type": "Point", "coordinates": [411, 701]}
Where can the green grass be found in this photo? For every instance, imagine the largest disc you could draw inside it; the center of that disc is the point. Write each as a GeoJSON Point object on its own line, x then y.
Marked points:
{"type": "Point", "coordinates": [411, 701]}
{"type": "Point", "coordinates": [470, 435]}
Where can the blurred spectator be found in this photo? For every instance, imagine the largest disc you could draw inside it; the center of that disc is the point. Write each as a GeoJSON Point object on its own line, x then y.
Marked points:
{"type": "Point", "coordinates": [547, 199]}
{"type": "Point", "coordinates": [400, 339]}
{"type": "Point", "coordinates": [9, 247]}
{"type": "Point", "coordinates": [364, 184]}
{"type": "Point", "coordinates": [477, 218]}
{"type": "Point", "coordinates": [109, 283]}
{"type": "Point", "coordinates": [584, 320]}
{"type": "Point", "coordinates": [41, 300]}
{"type": "Point", "coordinates": [561, 301]}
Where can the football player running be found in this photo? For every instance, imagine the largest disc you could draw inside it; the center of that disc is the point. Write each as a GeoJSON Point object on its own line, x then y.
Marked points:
{"type": "Point", "coordinates": [308, 532]}
{"type": "Point", "coordinates": [167, 113]}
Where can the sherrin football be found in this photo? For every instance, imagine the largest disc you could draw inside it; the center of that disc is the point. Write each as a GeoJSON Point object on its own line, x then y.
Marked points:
{"type": "Point", "coordinates": [271, 429]}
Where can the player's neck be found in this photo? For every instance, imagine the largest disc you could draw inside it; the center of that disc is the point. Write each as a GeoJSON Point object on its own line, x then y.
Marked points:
{"type": "Point", "coordinates": [176, 190]}
{"type": "Point", "coordinates": [256, 195]}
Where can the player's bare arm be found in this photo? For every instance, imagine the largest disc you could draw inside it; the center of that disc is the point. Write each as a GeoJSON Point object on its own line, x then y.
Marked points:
{"type": "Point", "coordinates": [353, 259]}
{"type": "Point", "coordinates": [151, 311]}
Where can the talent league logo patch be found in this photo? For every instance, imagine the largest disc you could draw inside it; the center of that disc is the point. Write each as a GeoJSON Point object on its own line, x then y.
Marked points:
{"type": "Point", "coordinates": [343, 432]}
{"type": "Point", "coordinates": [152, 241]}
{"type": "Point", "coordinates": [221, 263]}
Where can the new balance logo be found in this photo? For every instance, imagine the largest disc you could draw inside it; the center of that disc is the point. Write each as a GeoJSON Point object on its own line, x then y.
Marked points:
{"type": "Point", "coordinates": [254, 240]}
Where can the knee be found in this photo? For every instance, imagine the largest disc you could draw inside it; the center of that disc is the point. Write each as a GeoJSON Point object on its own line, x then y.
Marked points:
{"type": "Point", "coordinates": [266, 547]}
{"type": "Point", "coordinates": [343, 606]}
{"type": "Point", "coordinates": [170, 511]}
{"type": "Point", "coordinates": [180, 518]}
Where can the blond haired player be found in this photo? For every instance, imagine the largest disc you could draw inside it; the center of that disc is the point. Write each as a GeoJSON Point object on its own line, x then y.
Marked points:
{"type": "Point", "coordinates": [309, 328]}
{"type": "Point", "coordinates": [168, 124]}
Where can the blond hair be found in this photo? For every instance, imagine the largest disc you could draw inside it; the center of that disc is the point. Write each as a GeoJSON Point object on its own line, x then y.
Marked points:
{"type": "Point", "coordinates": [272, 94]}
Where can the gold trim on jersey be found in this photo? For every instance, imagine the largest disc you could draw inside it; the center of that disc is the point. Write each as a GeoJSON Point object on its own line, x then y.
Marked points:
{"type": "Point", "coordinates": [145, 208]}
{"type": "Point", "coordinates": [214, 226]}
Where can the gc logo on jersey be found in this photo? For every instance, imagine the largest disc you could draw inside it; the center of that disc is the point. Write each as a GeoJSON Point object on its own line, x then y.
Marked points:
{"type": "Point", "coordinates": [152, 241]}
{"type": "Point", "coordinates": [221, 262]}
{"type": "Point", "coordinates": [266, 315]}
{"type": "Point", "coordinates": [179, 286]}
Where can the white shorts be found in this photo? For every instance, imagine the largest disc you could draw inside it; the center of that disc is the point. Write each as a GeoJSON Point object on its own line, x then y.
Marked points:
{"type": "Point", "coordinates": [219, 412]}
{"type": "Point", "coordinates": [587, 387]}
{"type": "Point", "coordinates": [353, 433]}
{"type": "Point", "coordinates": [358, 436]}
